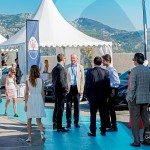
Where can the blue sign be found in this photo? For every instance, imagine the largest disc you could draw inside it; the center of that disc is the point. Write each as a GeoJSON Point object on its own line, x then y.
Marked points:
{"type": "Point", "coordinates": [32, 43]}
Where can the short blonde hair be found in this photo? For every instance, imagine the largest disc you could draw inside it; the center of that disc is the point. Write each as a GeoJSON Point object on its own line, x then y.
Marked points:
{"type": "Point", "coordinates": [12, 70]}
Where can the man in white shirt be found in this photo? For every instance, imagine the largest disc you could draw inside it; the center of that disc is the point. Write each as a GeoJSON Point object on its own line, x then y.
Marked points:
{"type": "Point", "coordinates": [114, 84]}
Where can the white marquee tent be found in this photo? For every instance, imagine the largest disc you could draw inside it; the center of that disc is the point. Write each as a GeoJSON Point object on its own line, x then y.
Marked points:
{"type": "Point", "coordinates": [55, 32]}
{"type": "Point", "coordinates": [2, 39]}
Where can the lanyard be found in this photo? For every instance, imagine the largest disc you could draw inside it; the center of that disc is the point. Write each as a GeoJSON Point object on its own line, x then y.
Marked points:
{"type": "Point", "coordinates": [73, 71]}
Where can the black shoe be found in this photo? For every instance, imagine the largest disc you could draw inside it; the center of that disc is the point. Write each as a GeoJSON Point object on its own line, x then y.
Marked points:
{"type": "Point", "coordinates": [135, 144]}
{"type": "Point", "coordinates": [103, 133]}
{"type": "Point", "coordinates": [68, 126]}
{"type": "Point", "coordinates": [112, 129]}
{"type": "Point", "coordinates": [108, 126]}
{"type": "Point", "coordinates": [91, 134]}
{"type": "Point", "coordinates": [144, 143]}
{"type": "Point", "coordinates": [16, 115]}
{"type": "Point", "coordinates": [77, 125]}
{"type": "Point", "coordinates": [62, 130]}
{"type": "Point", "coordinates": [54, 126]}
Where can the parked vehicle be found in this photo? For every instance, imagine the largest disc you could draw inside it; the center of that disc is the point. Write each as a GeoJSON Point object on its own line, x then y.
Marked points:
{"type": "Point", "coordinates": [122, 90]}
{"type": "Point", "coordinates": [5, 72]}
{"type": "Point", "coordinates": [49, 90]}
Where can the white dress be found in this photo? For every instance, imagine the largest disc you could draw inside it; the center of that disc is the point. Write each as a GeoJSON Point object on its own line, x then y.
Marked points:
{"type": "Point", "coordinates": [12, 91]}
{"type": "Point", "coordinates": [35, 104]}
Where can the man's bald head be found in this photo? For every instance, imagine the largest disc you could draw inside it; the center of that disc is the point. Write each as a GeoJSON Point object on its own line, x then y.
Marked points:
{"type": "Point", "coordinates": [74, 59]}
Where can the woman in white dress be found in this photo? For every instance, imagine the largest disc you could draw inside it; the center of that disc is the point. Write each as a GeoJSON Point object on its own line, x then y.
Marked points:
{"type": "Point", "coordinates": [11, 91]}
{"type": "Point", "coordinates": [34, 100]}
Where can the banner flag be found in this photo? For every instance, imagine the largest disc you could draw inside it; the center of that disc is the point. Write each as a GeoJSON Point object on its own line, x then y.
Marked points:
{"type": "Point", "coordinates": [145, 28]}
{"type": "Point", "coordinates": [32, 43]}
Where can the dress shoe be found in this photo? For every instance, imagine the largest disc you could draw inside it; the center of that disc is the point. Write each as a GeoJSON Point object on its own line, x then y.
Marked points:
{"type": "Point", "coordinates": [103, 133]}
{"type": "Point", "coordinates": [91, 134]}
{"type": "Point", "coordinates": [135, 144]}
{"type": "Point", "coordinates": [112, 129]}
{"type": "Point", "coordinates": [108, 126]}
{"type": "Point", "coordinates": [28, 140]}
{"type": "Point", "coordinates": [43, 138]}
{"type": "Point", "coordinates": [16, 115]}
{"type": "Point", "coordinates": [68, 126]}
{"type": "Point", "coordinates": [144, 143]}
{"type": "Point", "coordinates": [54, 126]}
{"type": "Point", "coordinates": [5, 114]}
{"type": "Point", "coordinates": [77, 125]}
{"type": "Point", "coordinates": [62, 130]}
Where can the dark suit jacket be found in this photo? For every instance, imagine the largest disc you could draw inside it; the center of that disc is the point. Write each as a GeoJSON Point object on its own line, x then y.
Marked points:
{"type": "Point", "coordinates": [97, 85]}
{"type": "Point", "coordinates": [59, 79]}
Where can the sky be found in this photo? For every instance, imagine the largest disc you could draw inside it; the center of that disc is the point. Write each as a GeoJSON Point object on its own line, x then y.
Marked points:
{"type": "Point", "coordinates": [119, 14]}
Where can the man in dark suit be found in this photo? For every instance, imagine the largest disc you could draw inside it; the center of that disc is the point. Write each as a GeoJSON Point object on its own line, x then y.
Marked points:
{"type": "Point", "coordinates": [97, 90]}
{"type": "Point", "coordinates": [18, 72]}
{"type": "Point", "coordinates": [59, 80]}
{"type": "Point", "coordinates": [138, 97]}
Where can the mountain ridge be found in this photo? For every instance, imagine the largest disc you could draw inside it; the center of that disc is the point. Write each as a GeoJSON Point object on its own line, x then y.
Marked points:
{"type": "Point", "coordinates": [123, 41]}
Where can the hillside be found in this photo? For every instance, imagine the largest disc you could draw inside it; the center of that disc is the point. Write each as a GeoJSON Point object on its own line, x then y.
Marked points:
{"type": "Point", "coordinates": [123, 41]}
{"type": "Point", "coordinates": [10, 24]}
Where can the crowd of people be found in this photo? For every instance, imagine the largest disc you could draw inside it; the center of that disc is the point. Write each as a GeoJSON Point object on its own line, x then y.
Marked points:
{"type": "Point", "coordinates": [99, 88]}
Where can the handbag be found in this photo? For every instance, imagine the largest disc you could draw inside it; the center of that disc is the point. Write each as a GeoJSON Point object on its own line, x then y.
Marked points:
{"type": "Point", "coordinates": [146, 134]}
{"type": "Point", "coordinates": [146, 137]}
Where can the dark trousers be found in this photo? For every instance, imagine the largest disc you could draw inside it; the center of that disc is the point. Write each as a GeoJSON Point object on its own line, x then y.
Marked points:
{"type": "Point", "coordinates": [55, 113]}
{"type": "Point", "coordinates": [58, 110]}
{"type": "Point", "coordinates": [18, 79]}
{"type": "Point", "coordinates": [94, 106]}
{"type": "Point", "coordinates": [73, 96]}
{"type": "Point", "coordinates": [111, 114]}
{"type": "Point", "coordinates": [138, 111]}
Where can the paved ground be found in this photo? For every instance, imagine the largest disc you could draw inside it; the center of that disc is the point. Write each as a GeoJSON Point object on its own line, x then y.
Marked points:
{"type": "Point", "coordinates": [13, 132]}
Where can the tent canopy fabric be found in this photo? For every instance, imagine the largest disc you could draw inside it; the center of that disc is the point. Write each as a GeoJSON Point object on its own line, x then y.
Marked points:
{"type": "Point", "coordinates": [2, 39]}
{"type": "Point", "coordinates": [54, 31]}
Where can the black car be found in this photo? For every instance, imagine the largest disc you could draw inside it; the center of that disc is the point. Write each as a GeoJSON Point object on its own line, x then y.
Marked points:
{"type": "Point", "coordinates": [49, 90]}
{"type": "Point", "coordinates": [122, 90]}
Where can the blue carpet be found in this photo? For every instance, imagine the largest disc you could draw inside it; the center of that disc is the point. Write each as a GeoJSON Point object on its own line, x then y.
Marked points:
{"type": "Point", "coordinates": [76, 138]}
